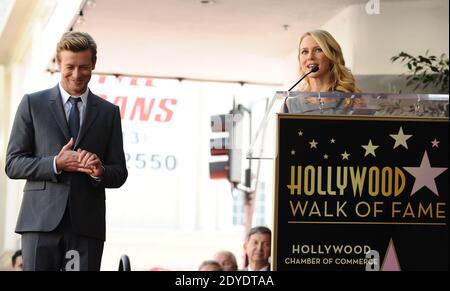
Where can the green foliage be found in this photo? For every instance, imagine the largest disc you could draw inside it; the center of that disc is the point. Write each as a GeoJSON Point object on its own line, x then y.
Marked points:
{"type": "Point", "coordinates": [426, 70]}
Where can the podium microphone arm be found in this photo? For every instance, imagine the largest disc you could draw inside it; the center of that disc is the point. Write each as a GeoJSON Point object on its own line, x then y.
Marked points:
{"type": "Point", "coordinates": [313, 70]}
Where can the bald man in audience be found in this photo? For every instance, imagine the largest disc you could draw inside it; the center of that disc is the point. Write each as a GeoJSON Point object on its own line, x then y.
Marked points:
{"type": "Point", "coordinates": [210, 265]}
{"type": "Point", "coordinates": [227, 260]}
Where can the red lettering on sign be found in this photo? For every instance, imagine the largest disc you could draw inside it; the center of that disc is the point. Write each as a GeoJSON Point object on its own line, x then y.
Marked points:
{"type": "Point", "coordinates": [169, 112]}
{"type": "Point", "coordinates": [139, 107]}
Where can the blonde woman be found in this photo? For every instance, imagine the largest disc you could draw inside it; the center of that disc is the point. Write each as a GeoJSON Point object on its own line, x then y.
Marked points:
{"type": "Point", "coordinates": [318, 48]}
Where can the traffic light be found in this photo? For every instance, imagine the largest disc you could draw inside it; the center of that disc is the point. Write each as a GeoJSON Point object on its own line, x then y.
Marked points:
{"type": "Point", "coordinates": [226, 147]}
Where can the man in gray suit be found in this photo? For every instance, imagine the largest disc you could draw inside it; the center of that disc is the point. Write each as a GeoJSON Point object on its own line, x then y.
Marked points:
{"type": "Point", "coordinates": [67, 143]}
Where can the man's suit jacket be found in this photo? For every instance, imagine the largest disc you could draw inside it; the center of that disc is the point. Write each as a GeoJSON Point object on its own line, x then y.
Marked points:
{"type": "Point", "coordinates": [39, 132]}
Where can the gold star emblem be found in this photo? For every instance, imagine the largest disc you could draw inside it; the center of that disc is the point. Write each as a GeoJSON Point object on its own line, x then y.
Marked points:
{"type": "Point", "coordinates": [400, 138]}
{"type": "Point", "coordinates": [435, 143]}
{"type": "Point", "coordinates": [345, 156]}
{"type": "Point", "coordinates": [313, 144]}
{"type": "Point", "coordinates": [370, 148]}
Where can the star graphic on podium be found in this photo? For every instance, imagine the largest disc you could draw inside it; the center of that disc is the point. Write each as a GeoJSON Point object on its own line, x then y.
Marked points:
{"type": "Point", "coordinates": [435, 143]}
{"type": "Point", "coordinates": [400, 138]}
{"type": "Point", "coordinates": [370, 148]}
{"type": "Point", "coordinates": [425, 175]}
{"type": "Point", "coordinates": [345, 156]}
{"type": "Point", "coordinates": [313, 144]}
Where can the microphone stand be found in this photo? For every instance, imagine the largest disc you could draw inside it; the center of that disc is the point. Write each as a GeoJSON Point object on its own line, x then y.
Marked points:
{"type": "Point", "coordinates": [266, 115]}
{"type": "Point", "coordinates": [313, 70]}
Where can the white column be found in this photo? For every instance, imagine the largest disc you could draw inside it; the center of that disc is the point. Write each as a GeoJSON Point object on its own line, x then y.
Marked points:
{"type": "Point", "coordinates": [4, 125]}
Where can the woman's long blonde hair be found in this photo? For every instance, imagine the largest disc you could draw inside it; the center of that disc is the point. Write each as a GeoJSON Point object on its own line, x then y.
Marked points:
{"type": "Point", "coordinates": [342, 79]}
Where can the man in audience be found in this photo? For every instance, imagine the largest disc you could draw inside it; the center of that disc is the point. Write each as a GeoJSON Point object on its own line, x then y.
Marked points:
{"type": "Point", "coordinates": [227, 260]}
{"type": "Point", "coordinates": [257, 248]}
{"type": "Point", "coordinates": [17, 262]}
{"type": "Point", "coordinates": [210, 265]}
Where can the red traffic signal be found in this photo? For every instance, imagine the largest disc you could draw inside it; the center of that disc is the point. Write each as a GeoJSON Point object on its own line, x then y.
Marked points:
{"type": "Point", "coordinates": [225, 148]}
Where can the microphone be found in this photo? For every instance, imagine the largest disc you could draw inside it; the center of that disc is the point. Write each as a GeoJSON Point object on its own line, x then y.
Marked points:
{"type": "Point", "coordinates": [313, 70]}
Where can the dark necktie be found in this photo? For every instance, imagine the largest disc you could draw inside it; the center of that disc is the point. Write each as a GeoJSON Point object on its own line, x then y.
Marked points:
{"type": "Point", "coordinates": [74, 117]}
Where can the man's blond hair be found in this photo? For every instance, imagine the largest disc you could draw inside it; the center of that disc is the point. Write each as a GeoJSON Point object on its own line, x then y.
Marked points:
{"type": "Point", "coordinates": [76, 41]}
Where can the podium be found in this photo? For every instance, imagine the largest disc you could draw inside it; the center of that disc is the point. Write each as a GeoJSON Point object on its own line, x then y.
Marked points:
{"type": "Point", "coordinates": [361, 181]}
